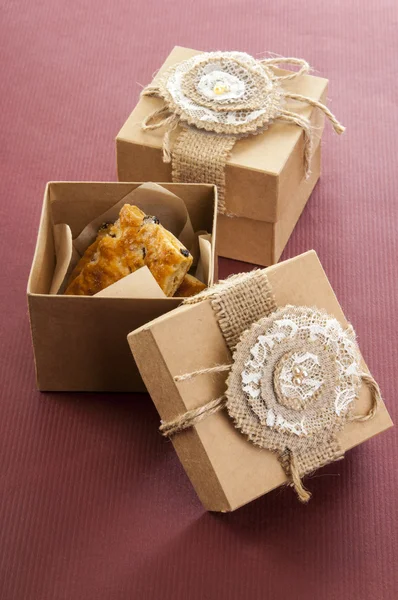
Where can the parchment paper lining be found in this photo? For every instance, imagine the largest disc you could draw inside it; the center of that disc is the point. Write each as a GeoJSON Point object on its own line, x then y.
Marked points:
{"type": "Point", "coordinates": [153, 200]}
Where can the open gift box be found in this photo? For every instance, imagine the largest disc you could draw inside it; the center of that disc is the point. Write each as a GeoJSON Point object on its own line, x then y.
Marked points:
{"type": "Point", "coordinates": [80, 341]}
{"type": "Point", "coordinates": [226, 469]}
{"type": "Point", "coordinates": [265, 185]}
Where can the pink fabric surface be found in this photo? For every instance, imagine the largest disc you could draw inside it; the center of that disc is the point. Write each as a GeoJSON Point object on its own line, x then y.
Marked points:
{"type": "Point", "coordinates": [93, 502]}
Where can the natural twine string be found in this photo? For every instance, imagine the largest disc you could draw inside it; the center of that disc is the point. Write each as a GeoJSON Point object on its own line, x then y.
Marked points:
{"type": "Point", "coordinates": [165, 119]}
{"type": "Point", "coordinates": [150, 90]}
{"type": "Point", "coordinates": [305, 125]}
{"type": "Point", "coordinates": [305, 67]}
{"type": "Point", "coordinates": [337, 126]}
{"type": "Point", "coordinates": [208, 371]}
{"type": "Point", "coordinates": [189, 418]}
{"type": "Point", "coordinates": [192, 417]}
{"type": "Point", "coordinates": [376, 400]}
{"type": "Point", "coordinates": [150, 122]}
{"type": "Point", "coordinates": [303, 494]}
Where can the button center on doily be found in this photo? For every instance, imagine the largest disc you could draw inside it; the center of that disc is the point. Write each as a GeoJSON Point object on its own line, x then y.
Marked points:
{"type": "Point", "coordinates": [298, 379]}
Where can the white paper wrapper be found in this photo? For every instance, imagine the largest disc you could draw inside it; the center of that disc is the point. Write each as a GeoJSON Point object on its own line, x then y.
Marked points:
{"type": "Point", "coordinates": [153, 200]}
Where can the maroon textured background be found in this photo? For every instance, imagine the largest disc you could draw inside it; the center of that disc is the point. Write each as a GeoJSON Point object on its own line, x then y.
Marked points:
{"type": "Point", "coordinates": [93, 502]}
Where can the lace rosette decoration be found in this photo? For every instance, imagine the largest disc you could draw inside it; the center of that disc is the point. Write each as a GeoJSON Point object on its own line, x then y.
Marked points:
{"type": "Point", "coordinates": [293, 381]}
{"type": "Point", "coordinates": [219, 97]}
{"type": "Point", "coordinates": [292, 386]}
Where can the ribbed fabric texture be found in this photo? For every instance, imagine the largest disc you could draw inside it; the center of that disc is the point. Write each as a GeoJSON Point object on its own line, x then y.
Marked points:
{"type": "Point", "coordinates": [94, 504]}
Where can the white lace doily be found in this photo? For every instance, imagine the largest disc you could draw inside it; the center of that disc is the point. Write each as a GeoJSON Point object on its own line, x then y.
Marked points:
{"type": "Point", "coordinates": [296, 374]}
{"type": "Point", "coordinates": [225, 92]}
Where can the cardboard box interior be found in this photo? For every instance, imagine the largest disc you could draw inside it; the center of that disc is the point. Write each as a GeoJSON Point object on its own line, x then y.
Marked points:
{"type": "Point", "coordinates": [80, 341]}
{"type": "Point", "coordinates": [226, 470]}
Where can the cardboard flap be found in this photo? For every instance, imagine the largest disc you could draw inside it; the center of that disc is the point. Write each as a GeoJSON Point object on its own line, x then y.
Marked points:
{"type": "Point", "coordinates": [203, 271]}
{"type": "Point", "coordinates": [140, 284]}
{"type": "Point", "coordinates": [66, 257]}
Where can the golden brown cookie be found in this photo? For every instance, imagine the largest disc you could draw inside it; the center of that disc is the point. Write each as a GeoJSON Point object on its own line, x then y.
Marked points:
{"type": "Point", "coordinates": [134, 241]}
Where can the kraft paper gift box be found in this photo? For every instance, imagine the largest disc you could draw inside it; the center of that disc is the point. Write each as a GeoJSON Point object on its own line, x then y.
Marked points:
{"type": "Point", "coordinates": [265, 187]}
{"type": "Point", "coordinates": [80, 341]}
{"type": "Point", "coordinates": [226, 470]}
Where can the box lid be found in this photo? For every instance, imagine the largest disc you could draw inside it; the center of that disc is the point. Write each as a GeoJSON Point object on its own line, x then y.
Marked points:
{"type": "Point", "coordinates": [267, 153]}
{"type": "Point", "coordinates": [226, 470]}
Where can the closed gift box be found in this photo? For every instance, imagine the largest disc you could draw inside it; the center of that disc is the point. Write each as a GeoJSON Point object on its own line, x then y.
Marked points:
{"type": "Point", "coordinates": [80, 341]}
{"type": "Point", "coordinates": [226, 470]}
{"type": "Point", "coordinates": [265, 186]}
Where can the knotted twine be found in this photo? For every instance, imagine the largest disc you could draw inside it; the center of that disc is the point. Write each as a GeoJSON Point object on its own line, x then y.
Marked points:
{"type": "Point", "coordinates": [294, 377]}
{"type": "Point", "coordinates": [218, 98]}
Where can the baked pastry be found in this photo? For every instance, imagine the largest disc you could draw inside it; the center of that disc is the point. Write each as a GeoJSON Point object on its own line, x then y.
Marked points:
{"type": "Point", "coordinates": [190, 286]}
{"type": "Point", "coordinates": [134, 241]}
{"type": "Point", "coordinates": [91, 250]}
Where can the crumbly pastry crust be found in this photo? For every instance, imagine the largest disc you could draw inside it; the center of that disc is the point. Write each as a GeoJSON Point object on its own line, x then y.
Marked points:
{"type": "Point", "coordinates": [134, 241]}
{"type": "Point", "coordinates": [190, 286]}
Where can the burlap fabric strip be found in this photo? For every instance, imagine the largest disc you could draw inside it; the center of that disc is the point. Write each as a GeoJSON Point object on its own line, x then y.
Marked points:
{"type": "Point", "coordinates": [217, 98]}
{"type": "Point", "coordinates": [294, 377]}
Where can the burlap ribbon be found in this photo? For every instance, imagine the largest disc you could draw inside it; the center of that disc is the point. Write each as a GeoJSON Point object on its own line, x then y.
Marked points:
{"type": "Point", "coordinates": [293, 381]}
{"type": "Point", "coordinates": [201, 157]}
{"type": "Point", "coordinates": [218, 98]}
